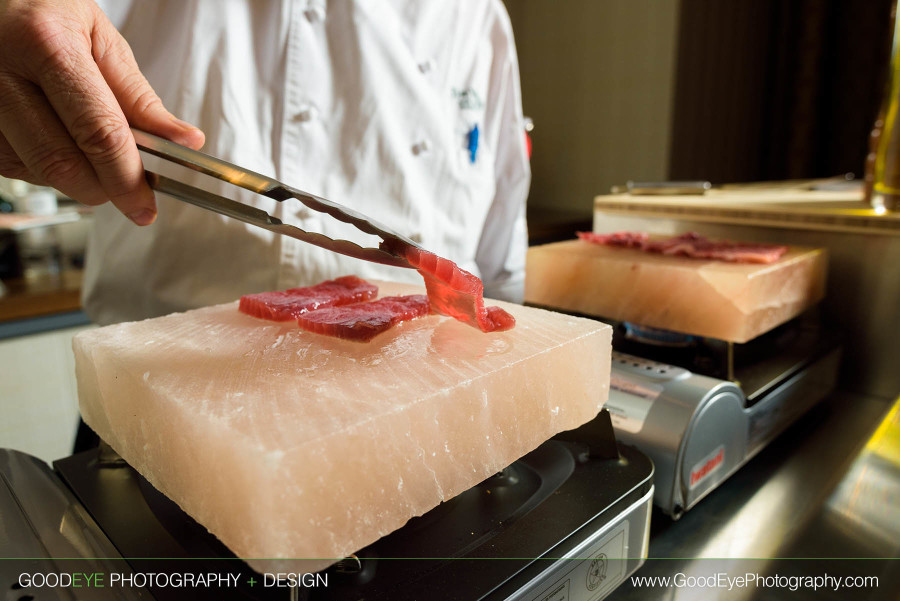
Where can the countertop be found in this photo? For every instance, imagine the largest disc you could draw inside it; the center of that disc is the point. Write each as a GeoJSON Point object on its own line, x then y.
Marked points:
{"type": "Point", "coordinates": [810, 503]}
{"type": "Point", "coordinates": [42, 294]}
{"type": "Point", "coordinates": [41, 304]}
{"type": "Point", "coordinates": [27, 298]}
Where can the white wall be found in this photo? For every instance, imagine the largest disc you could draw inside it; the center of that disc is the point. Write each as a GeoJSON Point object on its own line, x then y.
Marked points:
{"type": "Point", "coordinates": [38, 397]}
{"type": "Point", "coordinates": [598, 79]}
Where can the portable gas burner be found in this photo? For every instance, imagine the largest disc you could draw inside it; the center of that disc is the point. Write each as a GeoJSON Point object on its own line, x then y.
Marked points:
{"type": "Point", "coordinates": [701, 408]}
{"type": "Point", "coordinates": [569, 520]}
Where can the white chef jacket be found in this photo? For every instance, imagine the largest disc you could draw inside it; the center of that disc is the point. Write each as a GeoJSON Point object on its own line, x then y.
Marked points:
{"type": "Point", "coordinates": [369, 103]}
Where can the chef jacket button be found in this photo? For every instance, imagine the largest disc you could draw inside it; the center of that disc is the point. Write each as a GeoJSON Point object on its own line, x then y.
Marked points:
{"type": "Point", "coordinates": [426, 66]}
{"type": "Point", "coordinates": [420, 147]}
{"type": "Point", "coordinates": [314, 14]}
{"type": "Point", "coordinates": [305, 114]}
{"type": "Point", "coordinates": [303, 213]}
{"type": "Point", "coordinates": [417, 238]}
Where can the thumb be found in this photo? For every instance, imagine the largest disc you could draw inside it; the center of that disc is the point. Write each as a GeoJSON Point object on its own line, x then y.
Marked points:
{"type": "Point", "coordinates": [141, 106]}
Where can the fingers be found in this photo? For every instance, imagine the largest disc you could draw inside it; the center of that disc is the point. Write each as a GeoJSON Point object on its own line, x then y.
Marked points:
{"type": "Point", "coordinates": [34, 135]}
{"type": "Point", "coordinates": [10, 165]}
{"type": "Point", "coordinates": [66, 100]}
{"type": "Point", "coordinates": [139, 103]}
{"type": "Point", "coordinates": [88, 109]}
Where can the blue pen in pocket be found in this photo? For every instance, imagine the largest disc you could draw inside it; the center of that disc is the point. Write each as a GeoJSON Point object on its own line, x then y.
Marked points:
{"type": "Point", "coordinates": [473, 143]}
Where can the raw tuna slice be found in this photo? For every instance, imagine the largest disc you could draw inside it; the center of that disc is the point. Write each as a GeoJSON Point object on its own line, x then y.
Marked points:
{"type": "Point", "coordinates": [284, 305]}
{"type": "Point", "coordinates": [457, 293]}
{"type": "Point", "coordinates": [691, 245]}
{"type": "Point", "coordinates": [699, 247]}
{"type": "Point", "coordinates": [626, 239]}
{"type": "Point", "coordinates": [364, 321]}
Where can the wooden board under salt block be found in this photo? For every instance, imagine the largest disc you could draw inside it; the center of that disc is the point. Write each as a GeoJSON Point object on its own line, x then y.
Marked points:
{"type": "Point", "coordinates": [729, 301]}
{"type": "Point", "coordinates": [287, 444]}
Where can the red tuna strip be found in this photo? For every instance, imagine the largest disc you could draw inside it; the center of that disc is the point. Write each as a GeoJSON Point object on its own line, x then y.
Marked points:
{"type": "Point", "coordinates": [457, 293]}
{"type": "Point", "coordinates": [363, 321]}
{"type": "Point", "coordinates": [626, 239]}
{"type": "Point", "coordinates": [692, 245]}
{"type": "Point", "coordinates": [284, 305]}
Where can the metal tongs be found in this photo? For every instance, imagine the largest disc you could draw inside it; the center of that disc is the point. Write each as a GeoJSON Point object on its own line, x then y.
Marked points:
{"type": "Point", "coordinates": [388, 253]}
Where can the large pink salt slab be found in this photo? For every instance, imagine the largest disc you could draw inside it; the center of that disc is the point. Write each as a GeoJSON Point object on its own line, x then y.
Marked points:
{"type": "Point", "coordinates": [289, 444]}
{"type": "Point", "coordinates": [728, 301]}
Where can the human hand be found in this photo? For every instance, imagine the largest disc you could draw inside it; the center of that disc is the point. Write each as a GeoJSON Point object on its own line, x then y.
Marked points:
{"type": "Point", "coordinates": [69, 88]}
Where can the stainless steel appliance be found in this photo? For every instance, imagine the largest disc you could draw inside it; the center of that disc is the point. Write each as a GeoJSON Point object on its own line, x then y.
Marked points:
{"type": "Point", "coordinates": [702, 408]}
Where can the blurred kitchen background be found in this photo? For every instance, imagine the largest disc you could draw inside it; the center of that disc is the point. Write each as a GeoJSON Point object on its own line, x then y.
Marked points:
{"type": "Point", "coordinates": [618, 90]}
{"type": "Point", "coordinates": [656, 90]}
